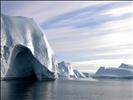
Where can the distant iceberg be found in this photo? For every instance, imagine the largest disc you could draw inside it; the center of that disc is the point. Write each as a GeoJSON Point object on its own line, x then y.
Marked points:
{"type": "Point", "coordinates": [65, 70]}
{"type": "Point", "coordinates": [79, 74]}
{"type": "Point", "coordinates": [123, 71]}
{"type": "Point", "coordinates": [127, 66]}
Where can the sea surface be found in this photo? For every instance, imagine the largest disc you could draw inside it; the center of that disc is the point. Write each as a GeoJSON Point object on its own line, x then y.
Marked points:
{"type": "Point", "coordinates": [86, 89]}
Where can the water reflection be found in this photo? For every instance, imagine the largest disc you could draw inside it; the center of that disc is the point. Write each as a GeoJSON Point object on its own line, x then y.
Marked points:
{"type": "Point", "coordinates": [15, 90]}
{"type": "Point", "coordinates": [43, 90]}
{"type": "Point", "coordinates": [66, 90]}
{"type": "Point", "coordinates": [26, 90]}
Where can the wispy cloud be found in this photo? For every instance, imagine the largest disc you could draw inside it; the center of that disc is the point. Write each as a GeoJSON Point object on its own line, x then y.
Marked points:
{"type": "Point", "coordinates": [91, 15]}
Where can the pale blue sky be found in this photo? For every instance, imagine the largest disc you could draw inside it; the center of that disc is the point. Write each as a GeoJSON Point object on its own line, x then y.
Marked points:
{"type": "Point", "coordinates": [89, 34]}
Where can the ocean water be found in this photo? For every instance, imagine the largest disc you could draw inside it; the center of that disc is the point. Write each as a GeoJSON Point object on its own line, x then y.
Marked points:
{"type": "Point", "coordinates": [88, 89]}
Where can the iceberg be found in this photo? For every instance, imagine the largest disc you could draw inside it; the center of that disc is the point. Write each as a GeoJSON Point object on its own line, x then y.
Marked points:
{"type": "Point", "coordinates": [123, 71]}
{"type": "Point", "coordinates": [127, 66]}
{"type": "Point", "coordinates": [65, 70]}
{"type": "Point", "coordinates": [79, 74]}
{"type": "Point", "coordinates": [25, 51]}
{"type": "Point", "coordinates": [86, 74]}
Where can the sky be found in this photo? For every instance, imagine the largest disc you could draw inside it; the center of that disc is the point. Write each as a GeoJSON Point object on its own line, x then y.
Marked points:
{"type": "Point", "coordinates": [89, 34]}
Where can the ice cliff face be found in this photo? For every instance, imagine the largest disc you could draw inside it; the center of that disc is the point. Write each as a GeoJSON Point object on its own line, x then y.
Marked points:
{"type": "Point", "coordinates": [24, 49]}
{"type": "Point", "coordinates": [124, 71]}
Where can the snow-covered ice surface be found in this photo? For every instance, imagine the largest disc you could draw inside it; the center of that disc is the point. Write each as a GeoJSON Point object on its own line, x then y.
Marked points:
{"type": "Point", "coordinates": [123, 71]}
{"type": "Point", "coordinates": [25, 50]}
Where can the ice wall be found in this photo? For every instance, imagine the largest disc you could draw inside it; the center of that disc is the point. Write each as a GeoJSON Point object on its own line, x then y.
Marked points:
{"type": "Point", "coordinates": [17, 30]}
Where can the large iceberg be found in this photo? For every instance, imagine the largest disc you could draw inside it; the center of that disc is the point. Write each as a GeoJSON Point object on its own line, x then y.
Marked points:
{"type": "Point", "coordinates": [123, 71]}
{"type": "Point", "coordinates": [25, 51]}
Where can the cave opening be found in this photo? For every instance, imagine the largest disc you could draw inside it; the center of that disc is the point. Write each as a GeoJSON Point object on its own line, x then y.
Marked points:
{"type": "Point", "coordinates": [22, 64]}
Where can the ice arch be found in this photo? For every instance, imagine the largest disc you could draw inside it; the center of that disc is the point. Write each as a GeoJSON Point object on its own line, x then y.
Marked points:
{"type": "Point", "coordinates": [24, 65]}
